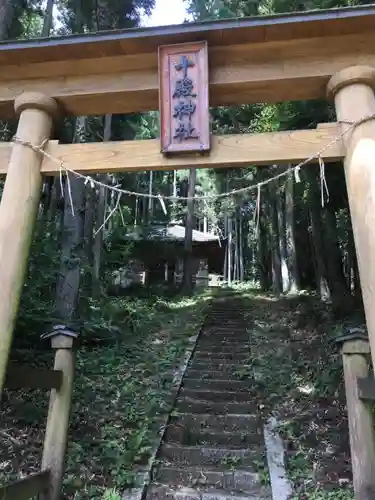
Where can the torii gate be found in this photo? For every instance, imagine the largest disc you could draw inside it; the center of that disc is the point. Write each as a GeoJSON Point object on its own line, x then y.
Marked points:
{"type": "Point", "coordinates": [263, 59]}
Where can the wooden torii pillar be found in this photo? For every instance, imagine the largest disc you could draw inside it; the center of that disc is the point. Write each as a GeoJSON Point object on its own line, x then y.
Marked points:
{"type": "Point", "coordinates": [353, 93]}
{"type": "Point", "coordinates": [18, 209]}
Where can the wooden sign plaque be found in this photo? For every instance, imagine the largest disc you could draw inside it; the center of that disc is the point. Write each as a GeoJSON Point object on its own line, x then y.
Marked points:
{"type": "Point", "coordinates": [183, 94]}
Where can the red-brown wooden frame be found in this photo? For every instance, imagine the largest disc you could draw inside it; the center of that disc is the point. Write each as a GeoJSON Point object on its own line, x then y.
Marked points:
{"type": "Point", "coordinates": [202, 144]}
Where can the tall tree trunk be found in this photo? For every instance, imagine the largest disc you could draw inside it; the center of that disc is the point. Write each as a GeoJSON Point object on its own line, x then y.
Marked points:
{"type": "Point", "coordinates": [136, 209]}
{"type": "Point", "coordinates": [150, 199]}
{"type": "Point", "coordinates": [290, 235]}
{"type": "Point", "coordinates": [187, 279]}
{"type": "Point", "coordinates": [144, 204]}
{"type": "Point", "coordinates": [320, 265]}
{"type": "Point", "coordinates": [90, 200]}
{"type": "Point", "coordinates": [49, 182]}
{"type": "Point", "coordinates": [88, 239]}
{"type": "Point", "coordinates": [235, 249]}
{"type": "Point", "coordinates": [48, 19]}
{"type": "Point", "coordinates": [275, 238]}
{"type": "Point", "coordinates": [68, 285]}
{"type": "Point", "coordinates": [6, 18]}
{"type": "Point", "coordinates": [262, 253]}
{"type": "Point", "coordinates": [341, 298]}
{"type": "Point", "coordinates": [321, 272]}
{"type": "Point", "coordinates": [230, 248]}
{"type": "Point", "coordinates": [100, 217]}
{"type": "Point", "coordinates": [67, 293]}
{"type": "Point", "coordinates": [280, 206]}
{"type": "Point", "coordinates": [174, 193]}
{"type": "Point", "coordinates": [225, 270]}
{"type": "Point", "coordinates": [241, 243]}
{"type": "Point", "coordinates": [350, 261]}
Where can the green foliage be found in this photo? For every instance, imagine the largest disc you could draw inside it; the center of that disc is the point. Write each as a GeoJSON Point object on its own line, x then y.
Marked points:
{"type": "Point", "coordinates": [121, 394]}
{"type": "Point", "coordinates": [91, 15]}
{"type": "Point", "coordinates": [111, 495]}
{"type": "Point", "coordinates": [293, 338]}
{"type": "Point", "coordinates": [37, 302]}
{"type": "Point", "coordinates": [319, 494]}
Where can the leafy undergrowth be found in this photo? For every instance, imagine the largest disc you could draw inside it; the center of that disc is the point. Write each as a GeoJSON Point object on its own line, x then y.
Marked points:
{"type": "Point", "coordinates": [298, 371]}
{"type": "Point", "coordinates": [121, 393]}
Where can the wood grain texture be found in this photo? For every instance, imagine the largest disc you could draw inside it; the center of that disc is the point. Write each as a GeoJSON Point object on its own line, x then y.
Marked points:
{"type": "Point", "coordinates": [56, 436]}
{"type": "Point", "coordinates": [26, 488]}
{"type": "Point", "coordinates": [227, 151]}
{"type": "Point", "coordinates": [24, 377]}
{"type": "Point", "coordinates": [361, 431]}
{"type": "Point", "coordinates": [18, 210]}
{"type": "Point", "coordinates": [238, 74]}
{"type": "Point", "coordinates": [353, 102]}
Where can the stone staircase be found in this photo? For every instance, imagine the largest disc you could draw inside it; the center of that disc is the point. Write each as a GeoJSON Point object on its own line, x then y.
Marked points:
{"type": "Point", "coordinates": [214, 441]}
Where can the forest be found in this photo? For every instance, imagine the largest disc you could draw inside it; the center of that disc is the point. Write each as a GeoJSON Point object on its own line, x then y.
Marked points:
{"type": "Point", "coordinates": [300, 238]}
{"type": "Point", "coordinates": [292, 236]}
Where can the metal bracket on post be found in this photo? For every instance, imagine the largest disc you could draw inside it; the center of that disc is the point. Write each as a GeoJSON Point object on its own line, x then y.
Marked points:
{"type": "Point", "coordinates": [366, 388]}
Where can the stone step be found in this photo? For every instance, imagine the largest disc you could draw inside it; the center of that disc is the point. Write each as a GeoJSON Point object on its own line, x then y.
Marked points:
{"type": "Point", "coordinates": [220, 366]}
{"type": "Point", "coordinates": [238, 348]}
{"type": "Point", "coordinates": [163, 492]}
{"type": "Point", "coordinates": [234, 314]}
{"type": "Point", "coordinates": [204, 380]}
{"type": "Point", "coordinates": [208, 422]}
{"type": "Point", "coordinates": [231, 480]}
{"type": "Point", "coordinates": [218, 338]}
{"type": "Point", "coordinates": [216, 396]}
{"type": "Point", "coordinates": [240, 439]}
{"type": "Point", "coordinates": [225, 316]}
{"type": "Point", "coordinates": [227, 305]}
{"type": "Point", "coordinates": [212, 343]}
{"type": "Point", "coordinates": [187, 405]}
{"type": "Point", "coordinates": [201, 455]}
{"type": "Point", "coordinates": [218, 374]}
{"type": "Point", "coordinates": [223, 320]}
{"type": "Point", "coordinates": [215, 345]}
{"type": "Point", "coordinates": [225, 325]}
{"type": "Point", "coordinates": [219, 357]}
{"type": "Point", "coordinates": [209, 364]}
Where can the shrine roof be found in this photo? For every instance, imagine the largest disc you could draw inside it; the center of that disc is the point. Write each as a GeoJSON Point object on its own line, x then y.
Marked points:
{"type": "Point", "coordinates": [172, 233]}
{"type": "Point", "coordinates": [259, 59]}
{"type": "Point", "coordinates": [219, 33]}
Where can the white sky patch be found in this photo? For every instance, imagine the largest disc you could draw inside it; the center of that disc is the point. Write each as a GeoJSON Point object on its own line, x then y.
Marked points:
{"type": "Point", "coordinates": [166, 12]}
